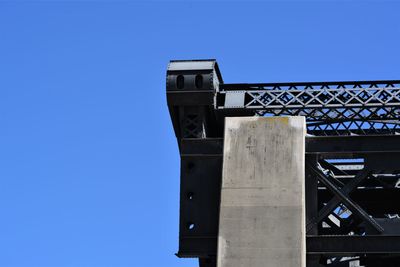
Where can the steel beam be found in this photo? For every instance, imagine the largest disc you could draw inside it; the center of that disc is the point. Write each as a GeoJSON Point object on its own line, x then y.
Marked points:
{"type": "Point", "coordinates": [353, 245]}
{"type": "Point", "coordinates": [334, 145]}
{"type": "Point", "coordinates": [323, 145]}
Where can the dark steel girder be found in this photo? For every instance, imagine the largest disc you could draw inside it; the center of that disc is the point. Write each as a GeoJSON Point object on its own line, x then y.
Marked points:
{"type": "Point", "coordinates": [331, 108]}
{"type": "Point", "coordinates": [346, 122]}
{"type": "Point", "coordinates": [353, 245]}
{"type": "Point", "coordinates": [322, 145]}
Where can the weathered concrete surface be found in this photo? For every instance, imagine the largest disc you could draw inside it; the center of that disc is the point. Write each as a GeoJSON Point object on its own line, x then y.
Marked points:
{"type": "Point", "coordinates": [262, 212]}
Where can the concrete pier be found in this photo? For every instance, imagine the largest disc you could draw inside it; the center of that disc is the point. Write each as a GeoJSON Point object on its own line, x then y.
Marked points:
{"type": "Point", "coordinates": [262, 212]}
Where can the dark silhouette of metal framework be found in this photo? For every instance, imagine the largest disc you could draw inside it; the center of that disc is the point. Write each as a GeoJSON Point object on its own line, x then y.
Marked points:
{"type": "Point", "coordinates": [352, 160]}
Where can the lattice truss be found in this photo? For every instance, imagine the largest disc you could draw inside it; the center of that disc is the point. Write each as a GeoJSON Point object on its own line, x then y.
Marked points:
{"type": "Point", "coordinates": [330, 108]}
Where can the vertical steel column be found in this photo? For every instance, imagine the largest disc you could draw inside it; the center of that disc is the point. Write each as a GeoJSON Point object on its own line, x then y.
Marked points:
{"type": "Point", "coordinates": [191, 92]}
{"type": "Point", "coordinates": [311, 185]}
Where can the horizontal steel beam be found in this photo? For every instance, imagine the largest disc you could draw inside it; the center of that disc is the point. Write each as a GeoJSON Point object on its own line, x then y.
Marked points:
{"type": "Point", "coordinates": [362, 144]}
{"type": "Point", "coordinates": [251, 86]}
{"type": "Point", "coordinates": [311, 95]}
{"type": "Point", "coordinates": [341, 245]}
{"type": "Point", "coordinates": [331, 108]}
{"type": "Point", "coordinates": [325, 145]}
{"type": "Point", "coordinates": [350, 245]}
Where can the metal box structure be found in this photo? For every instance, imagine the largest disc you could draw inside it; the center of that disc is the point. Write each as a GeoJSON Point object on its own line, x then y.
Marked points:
{"type": "Point", "coordinates": [352, 160]}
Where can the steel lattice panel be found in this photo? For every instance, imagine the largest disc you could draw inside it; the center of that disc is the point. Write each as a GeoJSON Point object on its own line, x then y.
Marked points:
{"type": "Point", "coordinates": [332, 108]}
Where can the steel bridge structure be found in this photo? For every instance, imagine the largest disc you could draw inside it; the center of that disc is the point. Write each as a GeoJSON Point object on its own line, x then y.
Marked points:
{"type": "Point", "coordinates": [352, 160]}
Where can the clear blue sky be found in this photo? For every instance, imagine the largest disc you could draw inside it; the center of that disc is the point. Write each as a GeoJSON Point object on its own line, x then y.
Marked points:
{"type": "Point", "coordinates": [89, 166]}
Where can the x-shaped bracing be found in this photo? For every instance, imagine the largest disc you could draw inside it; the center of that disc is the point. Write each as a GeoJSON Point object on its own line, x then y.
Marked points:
{"type": "Point", "coordinates": [341, 195]}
